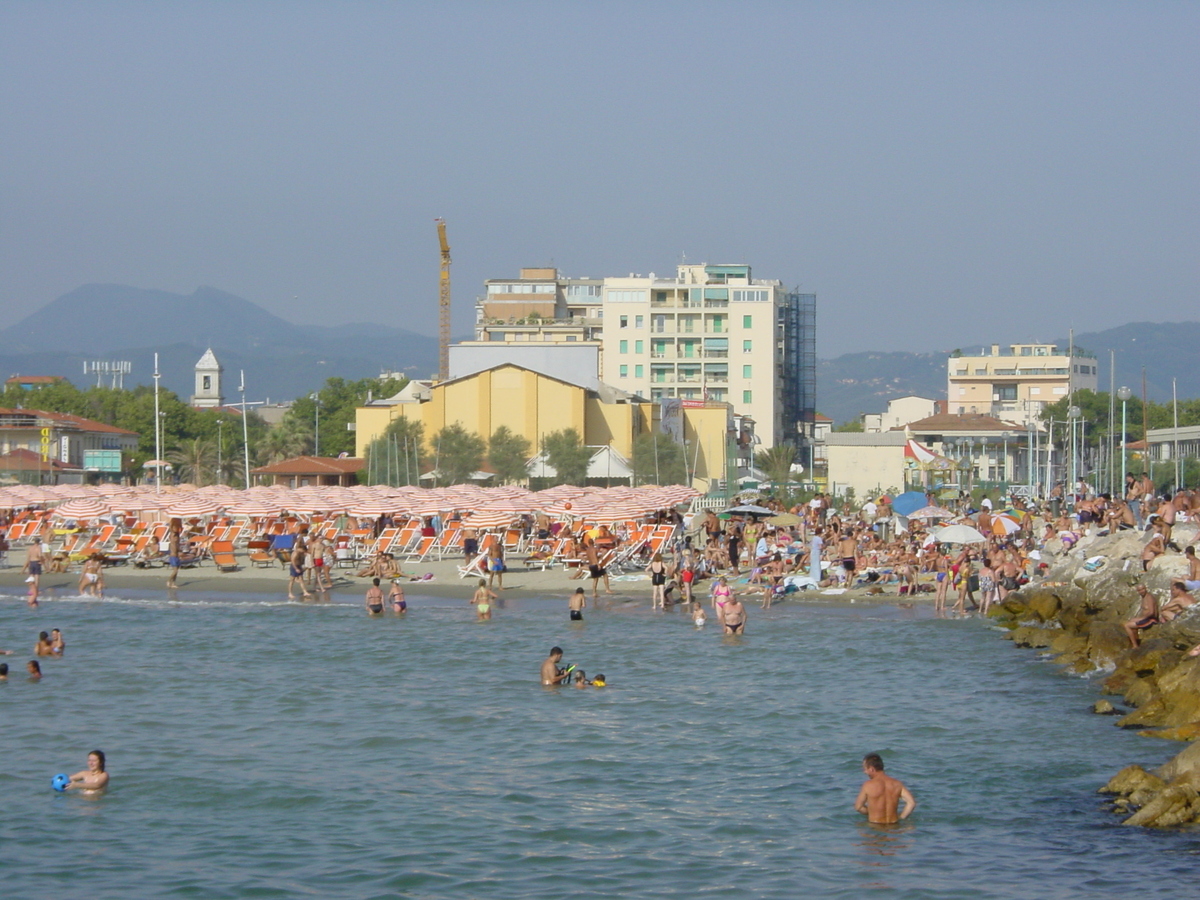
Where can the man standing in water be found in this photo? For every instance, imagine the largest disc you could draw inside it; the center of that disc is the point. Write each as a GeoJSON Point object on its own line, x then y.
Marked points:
{"type": "Point", "coordinates": [576, 603]}
{"type": "Point", "coordinates": [881, 794]}
{"type": "Point", "coordinates": [34, 558]}
{"type": "Point", "coordinates": [551, 673]}
{"type": "Point", "coordinates": [174, 551]}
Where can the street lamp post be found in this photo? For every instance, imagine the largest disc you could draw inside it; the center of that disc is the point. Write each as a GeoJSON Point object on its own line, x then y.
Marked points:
{"type": "Point", "coordinates": [157, 433]}
{"type": "Point", "coordinates": [316, 398]}
{"type": "Point", "coordinates": [1073, 414]}
{"type": "Point", "coordinates": [1123, 394]}
{"type": "Point", "coordinates": [220, 426]}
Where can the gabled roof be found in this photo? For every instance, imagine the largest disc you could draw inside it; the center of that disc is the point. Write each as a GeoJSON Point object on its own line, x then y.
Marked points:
{"type": "Point", "coordinates": [66, 420]}
{"type": "Point", "coordinates": [313, 465]}
{"type": "Point", "coordinates": [35, 379]}
{"type": "Point", "coordinates": [956, 422]}
{"type": "Point", "coordinates": [27, 460]}
{"type": "Point", "coordinates": [208, 360]}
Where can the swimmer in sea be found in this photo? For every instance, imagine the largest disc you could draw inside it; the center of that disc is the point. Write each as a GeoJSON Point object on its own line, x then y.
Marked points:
{"type": "Point", "coordinates": [3, 671]}
{"type": "Point", "coordinates": [551, 673]}
{"type": "Point", "coordinates": [374, 598]}
{"type": "Point", "coordinates": [599, 681]}
{"type": "Point", "coordinates": [482, 600]}
{"type": "Point", "coordinates": [42, 647]}
{"type": "Point", "coordinates": [57, 644]}
{"type": "Point", "coordinates": [734, 618]}
{"type": "Point", "coordinates": [581, 679]}
{"type": "Point", "coordinates": [576, 603]}
{"type": "Point", "coordinates": [93, 779]}
{"type": "Point", "coordinates": [34, 669]}
{"type": "Point", "coordinates": [881, 794]}
{"type": "Point", "coordinates": [399, 604]}
{"type": "Point", "coordinates": [698, 614]}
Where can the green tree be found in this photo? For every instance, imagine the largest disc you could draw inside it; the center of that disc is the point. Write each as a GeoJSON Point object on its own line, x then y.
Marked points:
{"type": "Point", "coordinates": [195, 461]}
{"type": "Point", "coordinates": [657, 459]}
{"type": "Point", "coordinates": [851, 426]}
{"type": "Point", "coordinates": [458, 454]}
{"type": "Point", "coordinates": [397, 456]}
{"type": "Point", "coordinates": [283, 441]}
{"type": "Point", "coordinates": [508, 455]}
{"type": "Point", "coordinates": [567, 455]}
{"type": "Point", "coordinates": [333, 407]}
{"type": "Point", "coordinates": [776, 462]}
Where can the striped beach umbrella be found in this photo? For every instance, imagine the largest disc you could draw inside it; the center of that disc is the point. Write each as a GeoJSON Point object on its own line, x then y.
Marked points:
{"type": "Point", "coordinates": [192, 507]}
{"type": "Point", "coordinates": [81, 508]}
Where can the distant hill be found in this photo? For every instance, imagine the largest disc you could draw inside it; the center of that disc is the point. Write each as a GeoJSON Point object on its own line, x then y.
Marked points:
{"type": "Point", "coordinates": [857, 383]}
{"type": "Point", "coordinates": [281, 360]}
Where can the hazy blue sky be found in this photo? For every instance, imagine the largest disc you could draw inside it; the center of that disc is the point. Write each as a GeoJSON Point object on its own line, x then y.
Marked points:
{"type": "Point", "coordinates": [938, 173]}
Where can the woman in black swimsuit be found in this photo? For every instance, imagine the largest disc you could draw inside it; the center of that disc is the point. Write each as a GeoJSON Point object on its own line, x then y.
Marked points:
{"type": "Point", "coordinates": [658, 578]}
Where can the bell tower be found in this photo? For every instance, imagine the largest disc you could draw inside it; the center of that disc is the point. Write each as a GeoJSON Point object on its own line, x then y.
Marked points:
{"type": "Point", "coordinates": [208, 382]}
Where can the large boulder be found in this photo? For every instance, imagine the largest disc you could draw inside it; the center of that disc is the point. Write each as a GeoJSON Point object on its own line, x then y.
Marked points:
{"type": "Point", "coordinates": [1044, 605]}
{"type": "Point", "coordinates": [1107, 643]}
{"type": "Point", "coordinates": [1131, 779]}
{"type": "Point", "coordinates": [1176, 804]}
{"type": "Point", "coordinates": [1186, 760]}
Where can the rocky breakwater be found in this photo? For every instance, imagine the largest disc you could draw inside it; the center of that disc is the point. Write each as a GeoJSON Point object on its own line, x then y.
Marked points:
{"type": "Point", "coordinates": [1076, 611]}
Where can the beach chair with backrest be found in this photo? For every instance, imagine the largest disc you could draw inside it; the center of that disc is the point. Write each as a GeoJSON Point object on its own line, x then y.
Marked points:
{"type": "Point", "coordinates": [222, 555]}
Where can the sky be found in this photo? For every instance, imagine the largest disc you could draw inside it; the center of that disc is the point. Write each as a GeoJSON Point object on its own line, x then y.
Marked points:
{"type": "Point", "coordinates": [939, 174]}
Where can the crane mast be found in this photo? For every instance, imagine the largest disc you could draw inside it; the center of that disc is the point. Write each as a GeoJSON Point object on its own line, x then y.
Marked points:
{"type": "Point", "coordinates": [444, 305]}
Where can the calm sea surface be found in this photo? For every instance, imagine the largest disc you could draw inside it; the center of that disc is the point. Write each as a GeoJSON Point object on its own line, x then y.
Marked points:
{"type": "Point", "coordinates": [265, 749]}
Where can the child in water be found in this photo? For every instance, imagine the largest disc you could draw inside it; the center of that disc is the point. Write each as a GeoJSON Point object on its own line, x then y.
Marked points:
{"type": "Point", "coordinates": [698, 614]}
{"type": "Point", "coordinates": [581, 679]}
{"type": "Point", "coordinates": [598, 681]}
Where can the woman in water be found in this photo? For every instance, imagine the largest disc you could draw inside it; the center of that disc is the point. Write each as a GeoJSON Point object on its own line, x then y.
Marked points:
{"type": "Point", "coordinates": [57, 644]}
{"type": "Point", "coordinates": [482, 601]}
{"type": "Point", "coordinates": [399, 604]}
{"type": "Point", "coordinates": [90, 579]}
{"type": "Point", "coordinates": [658, 578]}
{"type": "Point", "coordinates": [93, 779]}
{"type": "Point", "coordinates": [722, 593]}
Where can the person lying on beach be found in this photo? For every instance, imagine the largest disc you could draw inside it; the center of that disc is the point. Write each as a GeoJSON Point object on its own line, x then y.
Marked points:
{"type": "Point", "coordinates": [1145, 617]}
{"type": "Point", "coordinates": [881, 794]}
{"type": "Point", "coordinates": [94, 778]}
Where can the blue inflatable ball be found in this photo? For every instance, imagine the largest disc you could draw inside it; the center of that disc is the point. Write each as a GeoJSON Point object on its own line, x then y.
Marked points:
{"type": "Point", "coordinates": [60, 782]}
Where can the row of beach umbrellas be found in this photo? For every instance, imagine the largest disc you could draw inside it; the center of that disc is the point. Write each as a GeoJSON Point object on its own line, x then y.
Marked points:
{"type": "Point", "coordinates": [481, 506]}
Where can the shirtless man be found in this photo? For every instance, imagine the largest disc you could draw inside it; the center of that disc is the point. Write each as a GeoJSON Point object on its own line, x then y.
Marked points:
{"type": "Point", "coordinates": [319, 549]}
{"type": "Point", "coordinates": [373, 600]}
{"type": "Point", "coordinates": [174, 550]}
{"type": "Point", "coordinates": [1179, 601]}
{"type": "Point", "coordinates": [551, 673]}
{"type": "Point", "coordinates": [1146, 615]}
{"type": "Point", "coordinates": [35, 557]}
{"type": "Point", "coordinates": [1192, 582]}
{"type": "Point", "coordinates": [847, 550]}
{"type": "Point", "coordinates": [576, 603]}
{"type": "Point", "coordinates": [881, 794]}
{"type": "Point", "coordinates": [296, 572]}
{"type": "Point", "coordinates": [94, 778]}
{"type": "Point", "coordinates": [734, 616]}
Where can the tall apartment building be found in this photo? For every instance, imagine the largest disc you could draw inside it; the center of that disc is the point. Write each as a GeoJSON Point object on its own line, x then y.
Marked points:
{"type": "Point", "coordinates": [1017, 383]}
{"type": "Point", "coordinates": [709, 334]}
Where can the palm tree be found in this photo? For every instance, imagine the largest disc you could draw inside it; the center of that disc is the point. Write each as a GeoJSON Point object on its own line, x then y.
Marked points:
{"type": "Point", "coordinates": [284, 441]}
{"type": "Point", "coordinates": [776, 462]}
{"type": "Point", "coordinates": [194, 461]}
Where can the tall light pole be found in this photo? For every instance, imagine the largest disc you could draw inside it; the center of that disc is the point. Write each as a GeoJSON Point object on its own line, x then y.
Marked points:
{"type": "Point", "coordinates": [316, 398]}
{"type": "Point", "coordinates": [1073, 414]}
{"type": "Point", "coordinates": [245, 426]}
{"type": "Point", "coordinates": [1123, 393]}
{"type": "Point", "coordinates": [220, 475]}
{"type": "Point", "coordinates": [157, 434]}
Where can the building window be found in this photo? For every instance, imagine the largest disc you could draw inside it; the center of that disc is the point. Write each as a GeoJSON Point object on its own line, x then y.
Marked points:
{"type": "Point", "coordinates": [746, 371]}
{"type": "Point", "coordinates": [624, 371]}
{"type": "Point", "coordinates": [639, 321]}
{"type": "Point", "coordinates": [747, 346]}
{"type": "Point", "coordinates": [747, 321]}
{"type": "Point", "coordinates": [626, 296]}
{"type": "Point", "coordinates": [638, 372]}
{"type": "Point", "coordinates": [624, 345]}
{"type": "Point", "coordinates": [1034, 390]}
{"type": "Point", "coordinates": [718, 324]}
{"type": "Point", "coordinates": [1005, 391]}
{"type": "Point", "coordinates": [747, 396]}
{"type": "Point", "coordinates": [570, 337]}
{"type": "Point", "coordinates": [624, 321]}
{"type": "Point", "coordinates": [750, 296]}
{"type": "Point", "coordinates": [639, 347]}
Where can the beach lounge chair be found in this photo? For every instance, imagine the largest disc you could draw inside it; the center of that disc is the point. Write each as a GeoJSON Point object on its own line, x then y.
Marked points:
{"type": "Point", "coordinates": [222, 556]}
{"type": "Point", "coordinates": [259, 555]}
{"type": "Point", "coordinates": [476, 568]}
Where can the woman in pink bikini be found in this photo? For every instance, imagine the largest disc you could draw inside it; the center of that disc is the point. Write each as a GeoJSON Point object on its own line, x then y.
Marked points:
{"type": "Point", "coordinates": [722, 593]}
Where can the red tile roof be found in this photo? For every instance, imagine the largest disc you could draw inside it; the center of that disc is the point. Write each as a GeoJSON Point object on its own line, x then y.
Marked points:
{"type": "Point", "coordinates": [27, 460]}
{"type": "Point", "coordinates": [954, 422]}
{"type": "Point", "coordinates": [35, 379]}
{"type": "Point", "coordinates": [313, 465]}
{"type": "Point", "coordinates": [83, 424]}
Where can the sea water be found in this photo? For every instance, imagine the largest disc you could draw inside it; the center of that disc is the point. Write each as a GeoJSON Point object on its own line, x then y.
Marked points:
{"type": "Point", "coordinates": [267, 749]}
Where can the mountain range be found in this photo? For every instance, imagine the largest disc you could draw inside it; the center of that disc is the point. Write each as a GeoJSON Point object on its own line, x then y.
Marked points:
{"type": "Point", "coordinates": [283, 360]}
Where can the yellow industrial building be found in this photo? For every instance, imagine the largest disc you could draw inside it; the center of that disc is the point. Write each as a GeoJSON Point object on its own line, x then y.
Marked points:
{"type": "Point", "coordinates": [533, 405]}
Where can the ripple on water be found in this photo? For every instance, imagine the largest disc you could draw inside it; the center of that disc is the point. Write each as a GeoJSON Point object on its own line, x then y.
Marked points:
{"type": "Point", "coordinates": [262, 748]}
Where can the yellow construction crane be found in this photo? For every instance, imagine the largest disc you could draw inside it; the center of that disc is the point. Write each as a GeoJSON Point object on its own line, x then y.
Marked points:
{"type": "Point", "coordinates": [444, 305]}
